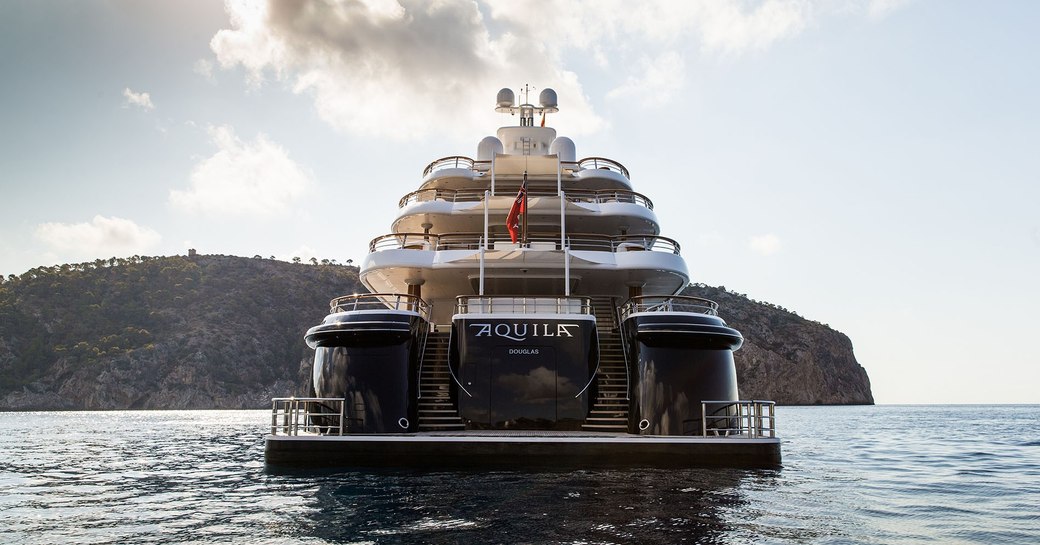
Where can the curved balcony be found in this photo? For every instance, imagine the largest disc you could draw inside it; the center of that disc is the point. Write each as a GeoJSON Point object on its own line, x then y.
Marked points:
{"type": "Point", "coordinates": [460, 161]}
{"type": "Point", "coordinates": [601, 196]}
{"type": "Point", "coordinates": [603, 163]}
{"type": "Point", "coordinates": [670, 303]}
{"type": "Point", "coordinates": [455, 161]}
{"type": "Point", "coordinates": [535, 241]}
{"type": "Point", "coordinates": [380, 302]}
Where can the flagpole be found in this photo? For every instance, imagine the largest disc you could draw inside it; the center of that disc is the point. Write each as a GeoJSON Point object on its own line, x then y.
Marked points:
{"type": "Point", "coordinates": [563, 246]}
{"type": "Point", "coordinates": [483, 247]}
{"type": "Point", "coordinates": [523, 239]}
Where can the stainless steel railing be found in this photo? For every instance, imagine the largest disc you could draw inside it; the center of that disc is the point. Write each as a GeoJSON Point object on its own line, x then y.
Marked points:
{"type": "Point", "coordinates": [454, 161]}
{"type": "Point", "coordinates": [505, 304]}
{"type": "Point", "coordinates": [603, 163]}
{"type": "Point", "coordinates": [380, 301]}
{"type": "Point", "coordinates": [307, 416]}
{"type": "Point", "coordinates": [535, 241]}
{"type": "Point", "coordinates": [668, 303]}
{"type": "Point", "coordinates": [601, 196]}
{"type": "Point", "coordinates": [459, 161]}
{"type": "Point", "coordinates": [749, 419]}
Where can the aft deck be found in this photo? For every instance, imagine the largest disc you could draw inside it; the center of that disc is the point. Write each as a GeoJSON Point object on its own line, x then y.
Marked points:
{"type": "Point", "coordinates": [309, 432]}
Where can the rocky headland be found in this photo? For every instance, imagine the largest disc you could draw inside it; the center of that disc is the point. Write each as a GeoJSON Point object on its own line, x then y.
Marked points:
{"type": "Point", "coordinates": [224, 332]}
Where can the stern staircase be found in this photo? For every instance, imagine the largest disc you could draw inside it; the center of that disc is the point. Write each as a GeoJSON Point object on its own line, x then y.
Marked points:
{"type": "Point", "coordinates": [609, 411]}
{"type": "Point", "coordinates": [436, 412]}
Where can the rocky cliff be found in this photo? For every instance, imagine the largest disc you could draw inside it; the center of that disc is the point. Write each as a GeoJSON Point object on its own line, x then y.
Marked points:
{"type": "Point", "coordinates": [162, 333]}
{"type": "Point", "coordinates": [226, 332]}
{"type": "Point", "coordinates": [789, 359]}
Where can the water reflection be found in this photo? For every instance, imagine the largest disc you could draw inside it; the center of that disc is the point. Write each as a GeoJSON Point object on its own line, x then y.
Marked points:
{"type": "Point", "coordinates": [198, 477]}
{"type": "Point", "coordinates": [583, 506]}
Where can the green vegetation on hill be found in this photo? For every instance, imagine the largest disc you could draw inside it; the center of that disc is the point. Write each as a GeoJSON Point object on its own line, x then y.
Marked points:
{"type": "Point", "coordinates": [192, 332]}
{"type": "Point", "coordinates": [227, 332]}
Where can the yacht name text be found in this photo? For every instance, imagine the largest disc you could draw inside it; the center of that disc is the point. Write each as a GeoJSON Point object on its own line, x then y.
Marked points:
{"type": "Point", "coordinates": [522, 331]}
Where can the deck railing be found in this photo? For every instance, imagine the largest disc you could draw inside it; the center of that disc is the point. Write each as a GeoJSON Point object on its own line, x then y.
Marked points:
{"type": "Point", "coordinates": [459, 161]}
{"type": "Point", "coordinates": [505, 304]}
{"type": "Point", "coordinates": [454, 161]}
{"type": "Point", "coordinates": [669, 303]}
{"type": "Point", "coordinates": [603, 164]}
{"type": "Point", "coordinates": [535, 241]}
{"type": "Point", "coordinates": [749, 419]}
{"type": "Point", "coordinates": [307, 416]}
{"type": "Point", "coordinates": [380, 301]}
{"type": "Point", "coordinates": [602, 196]}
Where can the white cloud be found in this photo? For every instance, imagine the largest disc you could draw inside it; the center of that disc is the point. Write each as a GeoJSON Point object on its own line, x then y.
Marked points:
{"type": "Point", "coordinates": [729, 27]}
{"type": "Point", "coordinates": [767, 244]}
{"type": "Point", "coordinates": [204, 68]}
{"type": "Point", "coordinates": [101, 237]}
{"type": "Point", "coordinates": [255, 178]}
{"type": "Point", "coordinates": [408, 68]}
{"type": "Point", "coordinates": [661, 79]}
{"type": "Point", "coordinates": [399, 71]}
{"type": "Point", "coordinates": [879, 9]}
{"type": "Point", "coordinates": [141, 100]}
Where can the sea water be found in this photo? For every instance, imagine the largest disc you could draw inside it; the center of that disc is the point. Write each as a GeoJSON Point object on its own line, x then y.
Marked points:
{"type": "Point", "coordinates": [885, 474]}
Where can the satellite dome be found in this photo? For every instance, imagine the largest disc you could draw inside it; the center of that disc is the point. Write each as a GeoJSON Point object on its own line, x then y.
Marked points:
{"type": "Point", "coordinates": [506, 98]}
{"type": "Point", "coordinates": [547, 98]}
{"type": "Point", "coordinates": [488, 147]}
{"type": "Point", "coordinates": [564, 147]}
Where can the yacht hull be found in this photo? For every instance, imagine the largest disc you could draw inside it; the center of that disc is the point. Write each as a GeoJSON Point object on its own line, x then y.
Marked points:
{"type": "Point", "coordinates": [677, 361]}
{"type": "Point", "coordinates": [372, 362]}
{"type": "Point", "coordinates": [523, 372]}
{"type": "Point", "coordinates": [531, 449]}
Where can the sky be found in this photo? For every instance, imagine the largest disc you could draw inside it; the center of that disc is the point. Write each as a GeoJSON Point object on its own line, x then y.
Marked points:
{"type": "Point", "coordinates": [870, 164]}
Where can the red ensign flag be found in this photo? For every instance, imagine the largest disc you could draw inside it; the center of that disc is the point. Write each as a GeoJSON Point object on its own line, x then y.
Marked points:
{"type": "Point", "coordinates": [519, 207]}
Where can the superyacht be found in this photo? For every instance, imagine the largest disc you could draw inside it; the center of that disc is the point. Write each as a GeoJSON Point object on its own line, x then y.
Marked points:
{"type": "Point", "coordinates": [524, 309]}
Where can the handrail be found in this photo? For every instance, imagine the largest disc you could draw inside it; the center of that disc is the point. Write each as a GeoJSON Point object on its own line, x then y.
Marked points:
{"type": "Point", "coordinates": [599, 196]}
{"type": "Point", "coordinates": [380, 301]}
{"type": "Point", "coordinates": [403, 241]}
{"type": "Point", "coordinates": [307, 415]}
{"type": "Point", "coordinates": [751, 418]}
{"type": "Point", "coordinates": [542, 241]}
{"type": "Point", "coordinates": [453, 161]}
{"type": "Point", "coordinates": [604, 164]}
{"type": "Point", "coordinates": [461, 161]}
{"type": "Point", "coordinates": [668, 303]}
{"type": "Point", "coordinates": [522, 304]}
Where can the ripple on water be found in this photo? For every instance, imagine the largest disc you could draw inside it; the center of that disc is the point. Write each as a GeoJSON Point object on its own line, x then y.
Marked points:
{"type": "Point", "coordinates": [887, 475]}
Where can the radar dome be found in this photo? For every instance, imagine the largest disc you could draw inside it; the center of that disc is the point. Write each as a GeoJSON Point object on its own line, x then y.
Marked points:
{"type": "Point", "coordinates": [547, 98]}
{"type": "Point", "coordinates": [506, 98]}
{"type": "Point", "coordinates": [488, 147]}
{"type": "Point", "coordinates": [564, 147]}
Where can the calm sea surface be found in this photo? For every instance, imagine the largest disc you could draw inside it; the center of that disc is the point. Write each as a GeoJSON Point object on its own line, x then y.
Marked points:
{"type": "Point", "coordinates": [889, 474]}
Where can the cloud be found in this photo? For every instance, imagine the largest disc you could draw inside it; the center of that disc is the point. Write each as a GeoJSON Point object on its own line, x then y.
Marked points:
{"type": "Point", "coordinates": [730, 27]}
{"type": "Point", "coordinates": [101, 237]}
{"type": "Point", "coordinates": [661, 79]}
{"type": "Point", "coordinates": [141, 100]}
{"type": "Point", "coordinates": [768, 244]}
{"type": "Point", "coordinates": [204, 68]}
{"type": "Point", "coordinates": [409, 68]}
{"type": "Point", "coordinates": [364, 63]}
{"type": "Point", "coordinates": [255, 178]}
{"type": "Point", "coordinates": [879, 9]}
